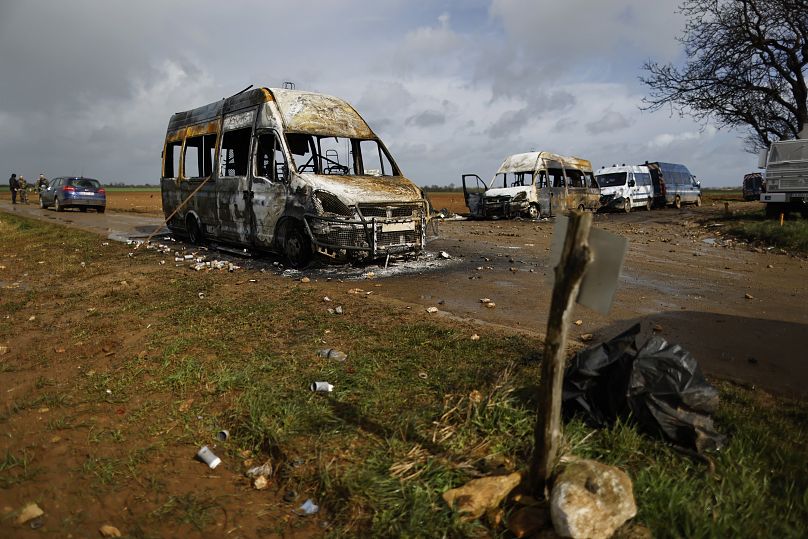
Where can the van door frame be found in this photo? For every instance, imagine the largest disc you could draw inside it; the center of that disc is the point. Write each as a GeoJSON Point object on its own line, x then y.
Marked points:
{"type": "Point", "coordinates": [272, 193]}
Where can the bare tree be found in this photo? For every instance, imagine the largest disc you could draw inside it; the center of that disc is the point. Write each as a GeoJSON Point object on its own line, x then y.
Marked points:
{"type": "Point", "coordinates": [746, 68]}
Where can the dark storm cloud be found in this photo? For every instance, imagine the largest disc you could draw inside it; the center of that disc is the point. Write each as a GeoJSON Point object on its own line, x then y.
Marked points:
{"type": "Point", "coordinates": [427, 118]}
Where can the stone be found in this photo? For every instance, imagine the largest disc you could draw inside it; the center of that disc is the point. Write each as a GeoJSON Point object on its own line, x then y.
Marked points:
{"type": "Point", "coordinates": [591, 500]}
{"type": "Point", "coordinates": [432, 310]}
{"type": "Point", "coordinates": [479, 495]}
{"type": "Point", "coordinates": [305, 280]}
{"type": "Point", "coordinates": [29, 512]}
{"type": "Point", "coordinates": [108, 530]}
{"type": "Point", "coordinates": [261, 482]}
{"type": "Point", "coordinates": [526, 521]}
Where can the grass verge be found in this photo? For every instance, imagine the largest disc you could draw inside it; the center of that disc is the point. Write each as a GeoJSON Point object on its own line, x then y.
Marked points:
{"type": "Point", "coordinates": [125, 371]}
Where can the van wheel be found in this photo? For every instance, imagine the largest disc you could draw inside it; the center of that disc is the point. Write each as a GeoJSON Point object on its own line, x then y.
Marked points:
{"type": "Point", "coordinates": [627, 205]}
{"type": "Point", "coordinates": [648, 204]}
{"type": "Point", "coordinates": [698, 201]}
{"type": "Point", "coordinates": [195, 235]}
{"type": "Point", "coordinates": [677, 203]}
{"type": "Point", "coordinates": [296, 245]}
{"type": "Point", "coordinates": [533, 211]}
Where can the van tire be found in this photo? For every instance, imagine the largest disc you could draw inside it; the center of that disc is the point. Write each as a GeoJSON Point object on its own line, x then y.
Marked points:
{"type": "Point", "coordinates": [533, 211]}
{"type": "Point", "coordinates": [698, 201]}
{"type": "Point", "coordinates": [648, 204]}
{"type": "Point", "coordinates": [194, 230]}
{"type": "Point", "coordinates": [296, 245]}
{"type": "Point", "coordinates": [627, 205]}
{"type": "Point", "coordinates": [677, 202]}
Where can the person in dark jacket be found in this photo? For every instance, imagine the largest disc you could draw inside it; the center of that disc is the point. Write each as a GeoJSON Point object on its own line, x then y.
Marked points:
{"type": "Point", "coordinates": [12, 186]}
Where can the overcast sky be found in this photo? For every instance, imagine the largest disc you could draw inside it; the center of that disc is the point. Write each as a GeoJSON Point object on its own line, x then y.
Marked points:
{"type": "Point", "coordinates": [451, 86]}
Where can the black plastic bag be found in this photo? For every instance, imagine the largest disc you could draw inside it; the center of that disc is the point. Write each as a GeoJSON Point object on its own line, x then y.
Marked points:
{"type": "Point", "coordinates": [658, 385]}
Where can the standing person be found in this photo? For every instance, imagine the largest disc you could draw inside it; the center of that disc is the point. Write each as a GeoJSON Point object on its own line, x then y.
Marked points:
{"type": "Point", "coordinates": [41, 184]}
{"type": "Point", "coordinates": [12, 186]}
{"type": "Point", "coordinates": [22, 187]}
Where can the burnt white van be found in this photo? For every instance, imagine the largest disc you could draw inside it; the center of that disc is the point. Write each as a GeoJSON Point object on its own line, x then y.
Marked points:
{"type": "Point", "coordinates": [531, 185]}
{"type": "Point", "coordinates": [296, 172]}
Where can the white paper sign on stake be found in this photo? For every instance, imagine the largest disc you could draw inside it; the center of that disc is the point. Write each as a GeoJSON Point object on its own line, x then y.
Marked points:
{"type": "Point", "coordinates": [600, 280]}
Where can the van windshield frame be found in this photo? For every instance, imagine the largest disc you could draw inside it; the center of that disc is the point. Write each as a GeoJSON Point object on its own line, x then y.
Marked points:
{"type": "Point", "coordinates": [612, 179]}
{"type": "Point", "coordinates": [341, 156]}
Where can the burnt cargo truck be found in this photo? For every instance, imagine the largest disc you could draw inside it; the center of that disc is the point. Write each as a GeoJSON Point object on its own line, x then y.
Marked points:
{"type": "Point", "coordinates": [531, 185]}
{"type": "Point", "coordinates": [674, 185]}
{"type": "Point", "coordinates": [786, 189]}
{"type": "Point", "coordinates": [295, 172]}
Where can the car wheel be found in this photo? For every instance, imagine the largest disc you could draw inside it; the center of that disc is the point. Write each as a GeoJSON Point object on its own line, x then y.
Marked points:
{"type": "Point", "coordinates": [533, 211]}
{"type": "Point", "coordinates": [677, 202]}
{"type": "Point", "coordinates": [101, 209]}
{"type": "Point", "coordinates": [57, 205]}
{"type": "Point", "coordinates": [698, 201]}
{"type": "Point", "coordinates": [195, 235]}
{"type": "Point", "coordinates": [296, 245]}
{"type": "Point", "coordinates": [627, 205]}
{"type": "Point", "coordinates": [648, 204]}
{"type": "Point", "coordinates": [42, 203]}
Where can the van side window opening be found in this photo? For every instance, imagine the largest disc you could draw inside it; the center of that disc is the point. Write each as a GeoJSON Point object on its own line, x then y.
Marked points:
{"type": "Point", "coordinates": [172, 159]}
{"type": "Point", "coordinates": [556, 177]}
{"type": "Point", "coordinates": [589, 180]}
{"type": "Point", "coordinates": [270, 162]}
{"type": "Point", "coordinates": [575, 178]}
{"type": "Point", "coordinates": [199, 155]}
{"type": "Point", "coordinates": [235, 153]}
{"type": "Point", "coordinates": [501, 178]}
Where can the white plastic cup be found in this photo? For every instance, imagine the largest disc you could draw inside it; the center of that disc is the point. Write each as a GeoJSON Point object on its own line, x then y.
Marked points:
{"type": "Point", "coordinates": [223, 435]}
{"type": "Point", "coordinates": [207, 456]}
{"type": "Point", "coordinates": [321, 387]}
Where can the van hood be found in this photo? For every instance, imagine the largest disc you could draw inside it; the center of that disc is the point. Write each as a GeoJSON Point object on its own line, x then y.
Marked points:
{"type": "Point", "coordinates": [364, 189]}
{"type": "Point", "coordinates": [508, 191]}
{"type": "Point", "coordinates": [617, 190]}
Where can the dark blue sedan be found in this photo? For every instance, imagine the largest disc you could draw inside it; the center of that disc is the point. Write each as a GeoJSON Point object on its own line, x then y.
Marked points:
{"type": "Point", "coordinates": [67, 192]}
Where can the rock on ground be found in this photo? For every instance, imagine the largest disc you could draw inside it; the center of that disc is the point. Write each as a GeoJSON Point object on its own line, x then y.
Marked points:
{"type": "Point", "coordinates": [478, 495]}
{"type": "Point", "coordinates": [591, 500]}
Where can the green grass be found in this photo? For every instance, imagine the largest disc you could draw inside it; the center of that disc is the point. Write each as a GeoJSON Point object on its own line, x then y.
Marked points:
{"type": "Point", "coordinates": [379, 451]}
{"type": "Point", "coordinates": [791, 236]}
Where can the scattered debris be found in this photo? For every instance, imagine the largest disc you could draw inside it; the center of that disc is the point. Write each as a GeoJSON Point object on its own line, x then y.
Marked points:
{"type": "Point", "coordinates": [201, 295]}
{"type": "Point", "coordinates": [475, 337]}
{"type": "Point", "coordinates": [478, 495]}
{"type": "Point", "coordinates": [591, 500]}
{"type": "Point", "coordinates": [326, 299]}
{"type": "Point", "coordinates": [321, 387]}
{"type": "Point", "coordinates": [4, 349]}
{"type": "Point", "coordinates": [485, 300]}
{"type": "Point", "coordinates": [261, 483]}
{"type": "Point", "coordinates": [108, 530]}
{"type": "Point", "coordinates": [490, 305]}
{"type": "Point", "coordinates": [432, 310]}
{"type": "Point", "coordinates": [422, 375]}
{"type": "Point", "coordinates": [207, 456]}
{"type": "Point", "coordinates": [330, 353]}
{"type": "Point", "coordinates": [579, 322]}
{"type": "Point", "coordinates": [289, 496]}
{"type": "Point", "coordinates": [305, 280]}
{"type": "Point", "coordinates": [29, 512]}
{"type": "Point", "coordinates": [223, 435]}
{"type": "Point", "coordinates": [585, 337]}
{"type": "Point", "coordinates": [749, 296]}
{"type": "Point", "coordinates": [338, 309]}
{"type": "Point", "coordinates": [658, 385]}
{"type": "Point", "coordinates": [657, 328]}
{"type": "Point", "coordinates": [445, 255]}
{"type": "Point", "coordinates": [31, 318]}
{"type": "Point", "coordinates": [308, 508]}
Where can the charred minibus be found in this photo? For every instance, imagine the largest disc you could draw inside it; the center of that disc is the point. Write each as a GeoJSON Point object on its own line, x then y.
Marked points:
{"type": "Point", "coordinates": [296, 172]}
{"type": "Point", "coordinates": [531, 185]}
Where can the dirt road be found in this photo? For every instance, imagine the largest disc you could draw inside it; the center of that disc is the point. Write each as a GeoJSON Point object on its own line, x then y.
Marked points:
{"type": "Point", "coordinates": [740, 311]}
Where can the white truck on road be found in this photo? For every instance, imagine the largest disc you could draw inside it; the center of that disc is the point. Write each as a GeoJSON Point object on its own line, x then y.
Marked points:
{"type": "Point", "coordinates": [786, 164]}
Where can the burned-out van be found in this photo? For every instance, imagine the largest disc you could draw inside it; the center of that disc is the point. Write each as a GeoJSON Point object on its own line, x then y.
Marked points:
{"type": "Point", "coordinates": [296, 172]}
{"type": "Point", "coordinates": [533, 184]}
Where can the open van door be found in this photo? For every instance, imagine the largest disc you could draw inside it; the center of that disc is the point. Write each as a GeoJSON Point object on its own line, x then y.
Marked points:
{"type": "Point", "coordinates": [473, 189]}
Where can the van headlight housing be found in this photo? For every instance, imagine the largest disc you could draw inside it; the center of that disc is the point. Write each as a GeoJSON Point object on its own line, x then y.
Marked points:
{"type": "Point", "coordinates": [329, 204]}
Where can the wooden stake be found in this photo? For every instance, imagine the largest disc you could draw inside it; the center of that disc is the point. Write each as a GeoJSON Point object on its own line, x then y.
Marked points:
{"type": "Point", "coordinates": [575, 257]}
